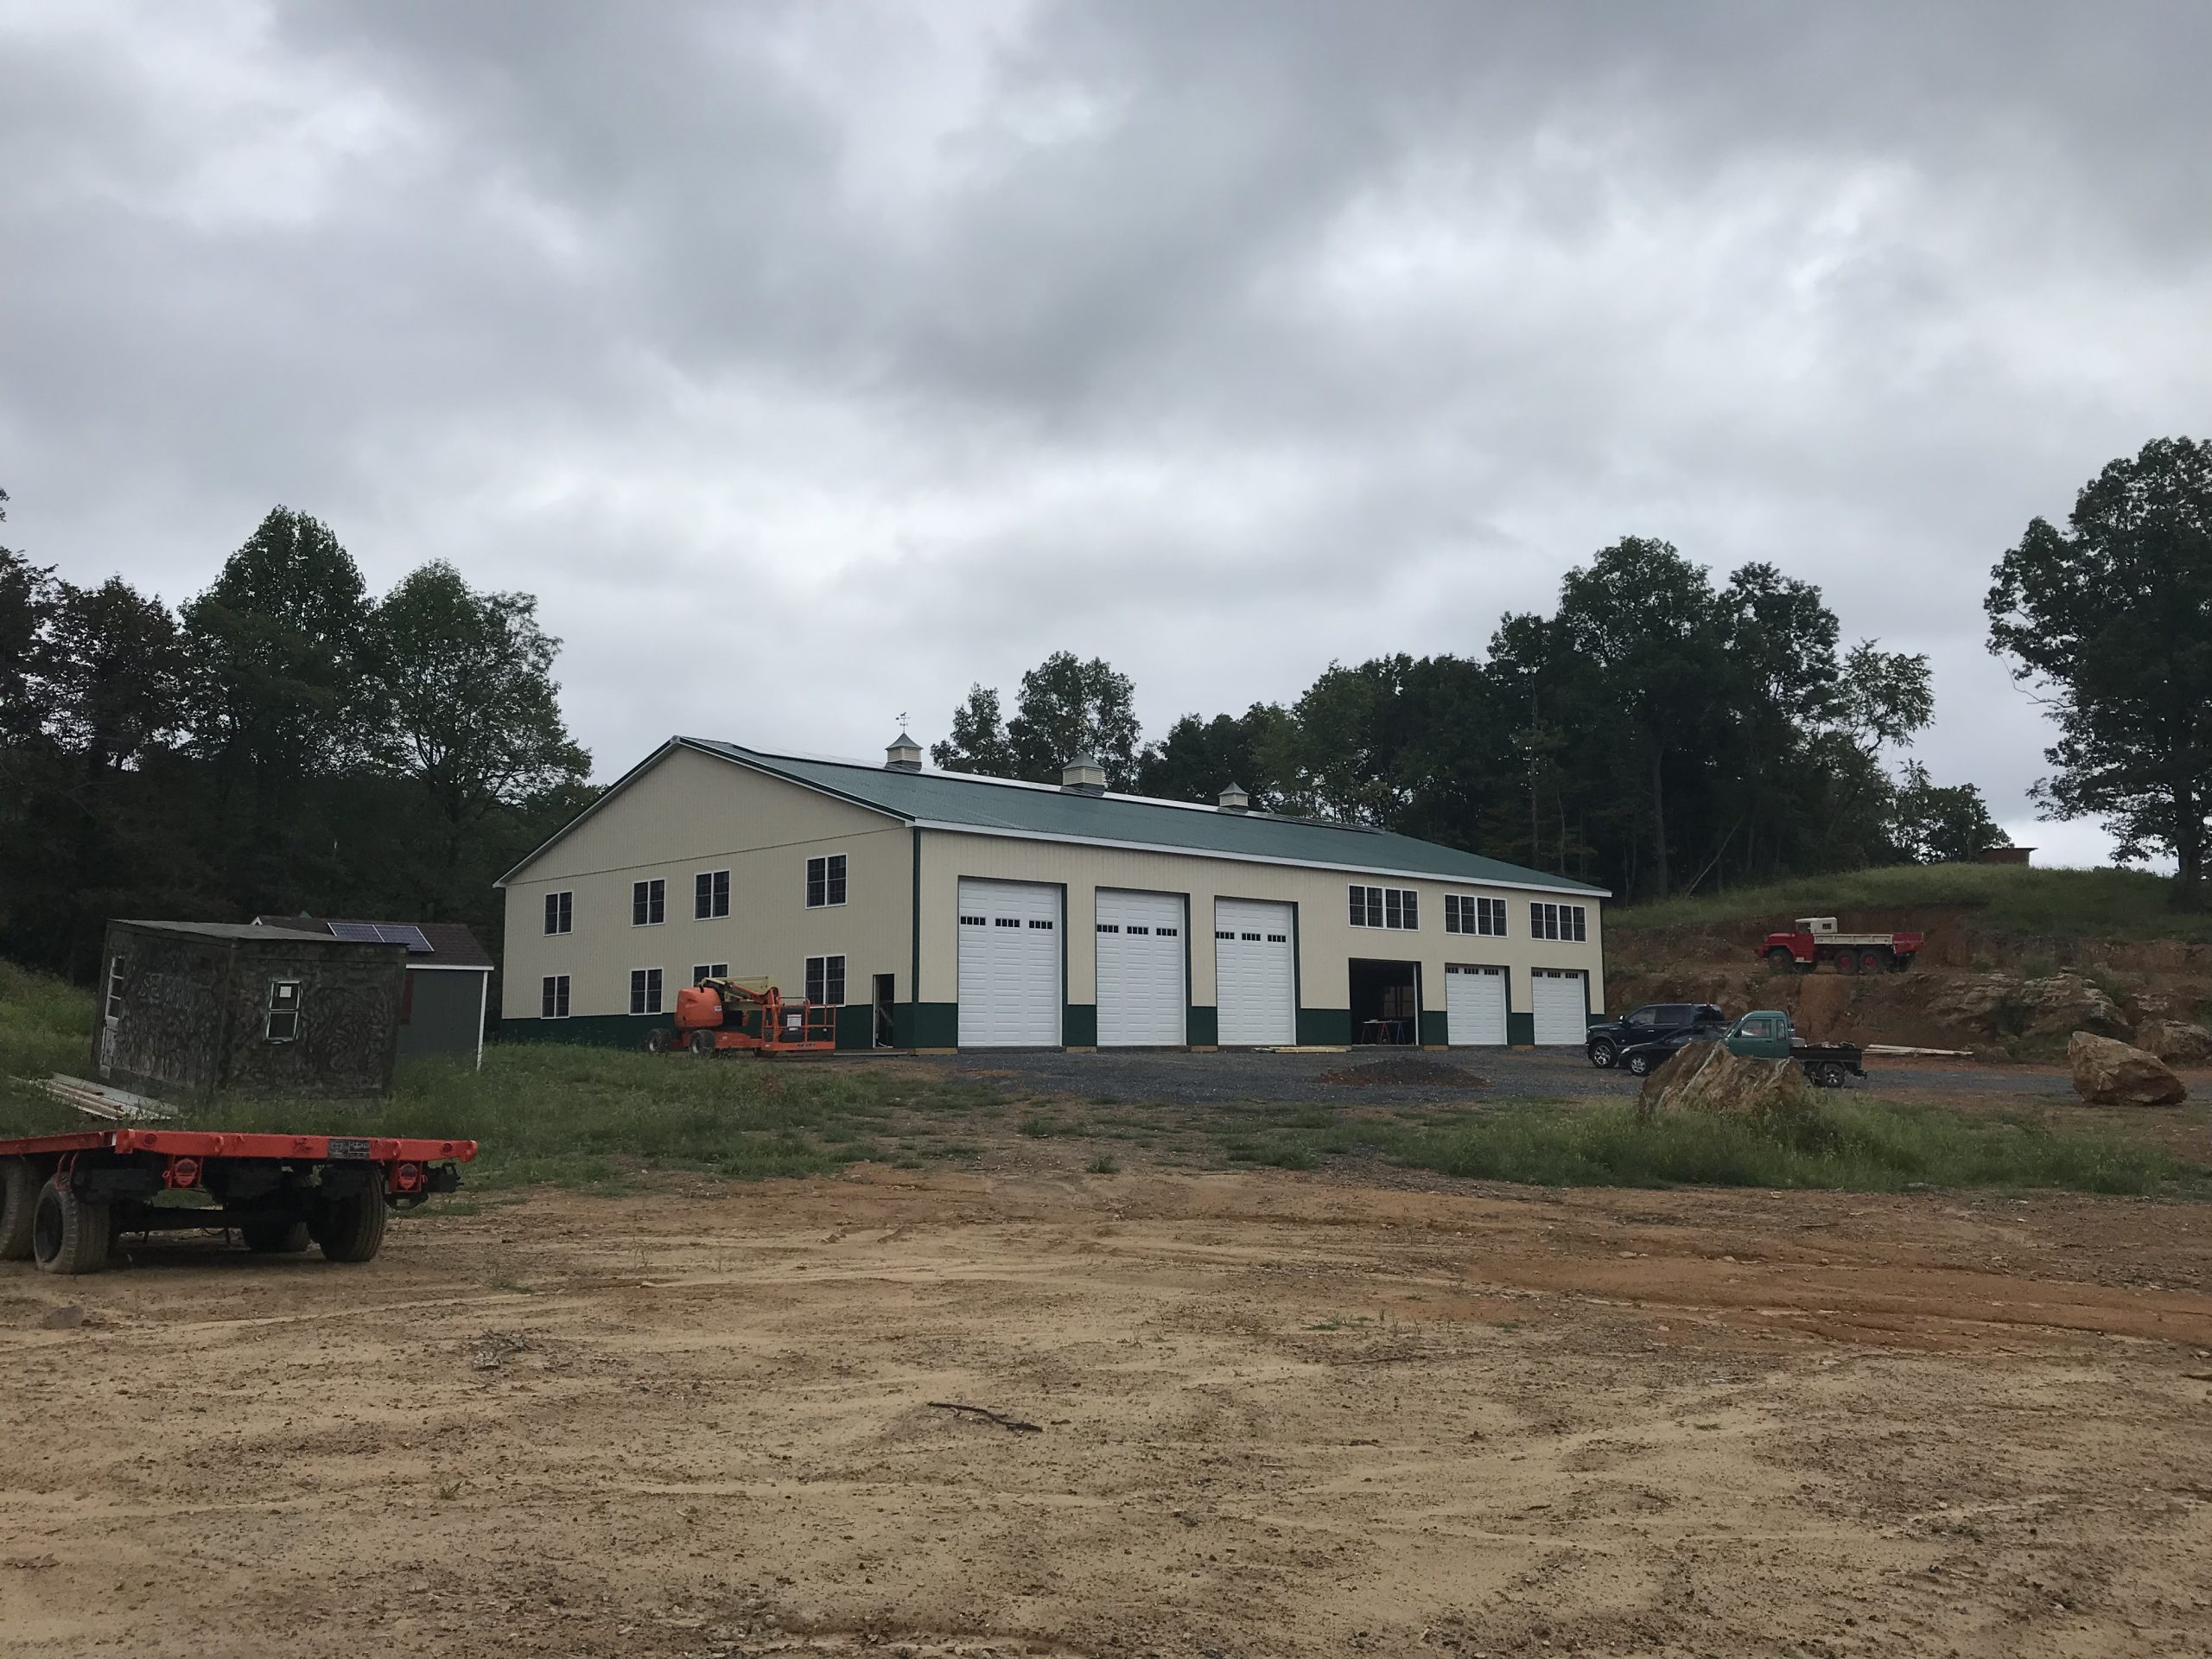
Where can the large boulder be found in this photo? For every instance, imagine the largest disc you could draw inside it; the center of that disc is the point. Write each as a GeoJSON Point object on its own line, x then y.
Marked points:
{"type": "Point", "coordinates": [2005, 1005]}
{"type": "Point", "coordinates": [2175, 1041]}
{"type": "Point", "coordinates": [1706, 1077]}
{"type": "Point", "coordinates": [2114, 1074]}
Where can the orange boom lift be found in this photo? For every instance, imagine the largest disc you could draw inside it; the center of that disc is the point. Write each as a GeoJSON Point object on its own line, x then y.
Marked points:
{"type": "Point", "coordinates": [744, 1014]}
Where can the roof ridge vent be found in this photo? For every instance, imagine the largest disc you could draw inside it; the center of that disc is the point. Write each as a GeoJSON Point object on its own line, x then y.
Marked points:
{"type": "Point", "coordinates": [1084, 775]}
{"type": "Point", "coordinates": [1235, 797]}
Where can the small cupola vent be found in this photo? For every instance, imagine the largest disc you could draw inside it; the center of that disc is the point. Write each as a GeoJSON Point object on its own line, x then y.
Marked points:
{"type": "Point", "coordinates": [1084, 776]}
{"type": "Point", "coordinates": [902, 754]}
{"type": "Point", "coordinates": [1234, 799]}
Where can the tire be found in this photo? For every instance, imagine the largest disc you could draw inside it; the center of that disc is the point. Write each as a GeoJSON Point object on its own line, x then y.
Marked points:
{"type": "Point", "coordinates": [19, 1185]}
{"type": "Point", "coordinates": [1869, 961]}
{"type": "Point", "coordinates": [70, 1234]}
{"type": "Point", "coordinates": [1637, 1065]}
{"type": "Point", "coordinates": [703, 1043]}
{"type": "Point", "coordinates": [275, 1236]}
{"type": "Point", "coordinates": [1847, 962]}
{"type": "Point", "coordinates": [1827, 1076]}
{"type": "Point", "coordinates": [659, 1039]}
{"type": "Point", "coordinates": [1780, 959]}
{"type": "Point", "coordinates": [1603, 1054]}
{"type": "Point", "coordinates": [352, 1227]}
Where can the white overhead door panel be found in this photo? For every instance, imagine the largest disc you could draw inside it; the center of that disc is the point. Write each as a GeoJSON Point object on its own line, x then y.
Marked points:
{"type": "Point", "coordinates": [1561, 1004]}
{"type": "Point", "coordinates": [1255, 989]}
{"type": "Point", "coordinates": [1141, 997]}
{"type": "Point", "coordinates": [1009, 964]}
{"type": "Point", "coordinates": [1474, 1001]}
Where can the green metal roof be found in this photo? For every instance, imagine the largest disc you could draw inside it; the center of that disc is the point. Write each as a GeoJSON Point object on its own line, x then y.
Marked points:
{"type": "Point", "coordinates": [993, 806]}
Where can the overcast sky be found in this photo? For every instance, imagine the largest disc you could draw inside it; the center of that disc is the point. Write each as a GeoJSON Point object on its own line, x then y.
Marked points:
{"type": "Point", "coordinates": [812, 361]}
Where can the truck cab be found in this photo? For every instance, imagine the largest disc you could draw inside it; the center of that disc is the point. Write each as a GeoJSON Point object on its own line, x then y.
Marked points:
{"type": "Point", "coordinates": [1764, 1034]}
{"type": "Point", "coordinates": [1768, 1034]}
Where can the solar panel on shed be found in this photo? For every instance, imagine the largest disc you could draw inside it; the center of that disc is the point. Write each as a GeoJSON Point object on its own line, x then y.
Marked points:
{"type": "Point", "coordinates": [405, 933]}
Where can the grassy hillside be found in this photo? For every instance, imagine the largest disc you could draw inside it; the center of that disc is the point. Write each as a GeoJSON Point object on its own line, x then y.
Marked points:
{"type": "Point", "coordinates": [2008, 899]}
{"type": "Point", "coordinates": [45, 1025]}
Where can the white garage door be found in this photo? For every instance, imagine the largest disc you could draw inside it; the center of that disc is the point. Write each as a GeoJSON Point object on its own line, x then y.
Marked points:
{"type": "Point", "coordinates": [1009, 964]}
{"type": "Point", "coordinates": [1140, 969]}
{"type": "Point", "coordinates": [1474, 1001]}
{"type": "Point", "coordinates": [1256, 991]}
{"type": "Point", "coordinates": [1560, 1005]}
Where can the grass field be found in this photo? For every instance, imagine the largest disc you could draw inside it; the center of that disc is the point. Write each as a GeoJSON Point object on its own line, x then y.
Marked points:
{"type": "Point", "coordinates": [2010, 900]}
{"type": "Point", "coordinates": [598, 1118]}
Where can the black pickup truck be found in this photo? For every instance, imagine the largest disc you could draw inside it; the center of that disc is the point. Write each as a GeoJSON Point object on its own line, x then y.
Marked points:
{"type": "Point", "coordinates": [1654, 1022]}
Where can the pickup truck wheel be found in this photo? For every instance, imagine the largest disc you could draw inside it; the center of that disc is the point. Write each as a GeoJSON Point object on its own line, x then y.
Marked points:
{"type": "Point", "coordinates": [1780, 960]}
{"type": "Point", "coordinates": [19, 1185]}
{"type": "Point", "coordinates": [69, 1233]}
{"type": "Point", "coordinates": [1602, 1053]}
{"type": "Point", "coordinates": [352, 1227]}
{"type": "Point", "coordinates": [275, 1236]}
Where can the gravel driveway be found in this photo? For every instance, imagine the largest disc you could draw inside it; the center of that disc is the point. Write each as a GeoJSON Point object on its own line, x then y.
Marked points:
{"type": "Point", "coordinates": [1170, 1075]}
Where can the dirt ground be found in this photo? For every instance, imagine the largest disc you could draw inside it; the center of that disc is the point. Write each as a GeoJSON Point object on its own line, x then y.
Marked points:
{"type": "Point", "coordinates": [1272, 1414]}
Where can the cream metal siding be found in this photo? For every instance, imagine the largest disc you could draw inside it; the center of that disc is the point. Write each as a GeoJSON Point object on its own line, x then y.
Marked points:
{"type": "Point", "coordinates": [1326, 941]}
{"type": "Point", "coordinates": [690, 813]}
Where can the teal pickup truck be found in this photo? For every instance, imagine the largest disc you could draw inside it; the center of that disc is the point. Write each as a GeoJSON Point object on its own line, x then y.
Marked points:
{"type": "Point", "coordinates": [1767, 1034]}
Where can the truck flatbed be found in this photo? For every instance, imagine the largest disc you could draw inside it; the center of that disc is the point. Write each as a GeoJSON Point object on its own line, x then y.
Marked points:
{"type": "Point", "coordinates": [66, 1198]}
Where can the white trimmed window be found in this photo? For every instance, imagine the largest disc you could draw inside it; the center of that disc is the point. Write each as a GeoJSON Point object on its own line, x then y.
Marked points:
{"type": "Point", "coordinates": [644, 990]}
{"type": "Point", "coordinates": [1565, 922]}
{"type": "Point", "coordinates": [825, 880]}
{"type": "Point", "coordinates": [560, 911]}
{"type": "Point", "coordinates": [1391, 907]}
{"type": "Point", "coordinates": [283, 1025]}
{"type": "Point", "coordinates": [1474, 914]}
{"type": "Point", "coordinates": [709, 895]}
{"type": "Point", "coordinates": [553, 997]}
{"type": "Point", "coordinates": [826, 980]}
{"type": "Point", "coordinates": [702, 971]}
{"type": "Point", "coordinates": [648, 903]}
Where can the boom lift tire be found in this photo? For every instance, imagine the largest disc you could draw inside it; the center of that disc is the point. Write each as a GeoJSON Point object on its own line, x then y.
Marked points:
{"type": "Point", "coordinates": [70, 1234]}
{"type": "Point", "coordinates": [352, 1228]}
{"type": "Point", "coordinates": [275, 1236]}
{"type": "Point", "coordinates": [703, 1043]}
{"type": "Point", "coordinates": [657, 1040]}
{"type": "Point", "coordinates": [19, 1185]}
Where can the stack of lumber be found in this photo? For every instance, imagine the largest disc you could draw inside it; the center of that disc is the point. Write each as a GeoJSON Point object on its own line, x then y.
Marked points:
{"type": "Point", "coordinates": [97, 1100]}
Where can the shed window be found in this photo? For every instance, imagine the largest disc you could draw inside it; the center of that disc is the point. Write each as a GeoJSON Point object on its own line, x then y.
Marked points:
{"type": "Point", "coordinates": [114, 1009]}
{"type": "Point", "coordinates": [553, 997]}
{"type": "Point", "coordinates": [709, 894]}
{"type": "Point", "coordinates": [644, 990]}
{"type": "Point", "coordinates": [825, 880]}
{"type": "Point", "coordinates": [648, 903]}
{"type": "Point", "coordinates": [560, 911]}
{"type": "Point", "coordinates": [282, 1024]}
{"type": "Point", "coordinates": [826, 980]}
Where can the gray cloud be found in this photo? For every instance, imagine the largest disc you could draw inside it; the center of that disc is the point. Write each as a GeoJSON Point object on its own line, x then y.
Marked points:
{"type": "Point", "coordinates": [811, 362]}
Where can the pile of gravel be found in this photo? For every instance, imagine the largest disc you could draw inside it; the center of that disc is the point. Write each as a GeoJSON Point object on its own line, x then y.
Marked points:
{"type": "Point", "coordinates": [1405, 1070]}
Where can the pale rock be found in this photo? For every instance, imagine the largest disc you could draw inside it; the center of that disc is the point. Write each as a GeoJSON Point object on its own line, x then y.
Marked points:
{"type": "Point", "coordinates": [2112, 1073]}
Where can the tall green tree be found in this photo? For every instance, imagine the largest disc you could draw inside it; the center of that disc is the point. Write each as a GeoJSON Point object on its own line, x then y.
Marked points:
{"type": "Point", "coordinates": [465, 704]}
{"type": "Point", "coordinates": [118, 672]}
{"type": "Point", "coordinates": [1066, 707]}
{"type": "Point", "coordinates": [1933, 825]}
{"type": "Point", "coordinates": [2110, 620]}
{"type": "Point", "coordinates": [978, 742]}
{"type": "Point", "coordinates": [28, 595]}
{"type": "Point", "coordinates": [1199, 758]}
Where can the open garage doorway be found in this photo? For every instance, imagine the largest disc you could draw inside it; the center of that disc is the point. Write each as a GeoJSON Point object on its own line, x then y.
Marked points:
{"type": "Point", "coordinates": [1385, 1001]}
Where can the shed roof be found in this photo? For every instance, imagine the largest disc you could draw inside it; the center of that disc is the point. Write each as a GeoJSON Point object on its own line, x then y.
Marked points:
{"type": "Point", "coordinates": [249, 930]}
{"type": "Point", "coordinates": [452, 945]}
{"type": "Point", "coordinates": [999, 806]}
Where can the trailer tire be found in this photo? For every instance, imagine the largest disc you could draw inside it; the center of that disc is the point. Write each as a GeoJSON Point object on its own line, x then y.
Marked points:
{"type": "Point", "coordinates": [275, 1236]}
{"type": "Point", "coordinates": [70, 1234]}
{"type": "Point", "coordinates": [19, 1185]}
{"type": "Point", "coordinates": [352, 1227]}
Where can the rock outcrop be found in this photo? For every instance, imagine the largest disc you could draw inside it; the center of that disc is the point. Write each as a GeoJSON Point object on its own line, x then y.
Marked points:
{"type": "Point", "coordinates": [2175, 1041]}
{"type": "Point", "coordinates": [1706, 1077]}
{"type": "Point", "coordinates": [2006, 1005]}
{"type": "Point", "coordinates": [2114, 1074]}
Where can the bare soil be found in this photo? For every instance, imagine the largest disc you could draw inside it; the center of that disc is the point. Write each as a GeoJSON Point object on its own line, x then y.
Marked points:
{"type": "Point", "coordinates": [1279, 1415]}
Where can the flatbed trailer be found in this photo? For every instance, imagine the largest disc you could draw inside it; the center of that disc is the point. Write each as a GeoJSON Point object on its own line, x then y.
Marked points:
{"type": "Point", "coordinates": [65, 1199]}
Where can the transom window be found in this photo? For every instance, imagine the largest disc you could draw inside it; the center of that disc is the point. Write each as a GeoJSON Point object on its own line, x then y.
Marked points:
{"type": "Point", "coordinates": [1568, 922]}
{"type": "Point", "coordinates": [825, 880]}
{"type": "Point", "coordinates": [975, 921]}
{"type": "Point", "coordinates": [826, 980]}
{"type": "Point", "coordinates": [644, 990]}
{"type": "Point", "coordinates": [648, 903]}
{"type": "Point", "coordinates": [282, 1024]}
{"type": "Point", "coordinates": [709, 894]}
{"type": "Point", "coordinates": [560, 911]}
{"type": "Point", "coordinates": [1474, 914]}
{"type": "Point", "coordinates": [553, 997]}
{"type": "Point", "coordinates": [1395, 907]}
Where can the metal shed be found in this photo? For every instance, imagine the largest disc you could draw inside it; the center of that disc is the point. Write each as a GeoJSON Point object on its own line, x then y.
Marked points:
{"type": "Point", "coordinates": [188, 1009]}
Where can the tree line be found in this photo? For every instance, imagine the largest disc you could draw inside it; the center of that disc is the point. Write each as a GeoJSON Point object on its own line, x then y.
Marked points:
{"type": "Point", "coordinates": [280, 742]}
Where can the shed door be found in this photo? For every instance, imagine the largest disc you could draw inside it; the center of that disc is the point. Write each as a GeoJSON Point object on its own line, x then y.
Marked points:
{"type": "Point", "coordinates": [1255, 990]}
{"type": "Point", "coordinates": [1140, 944]}
{"type": "Point", "coordinates": [1009, 987]}
{"type": "Point", "coordinates": [1561, 1004]}
{"type": "Point", "coordinates": [1474, 1001]}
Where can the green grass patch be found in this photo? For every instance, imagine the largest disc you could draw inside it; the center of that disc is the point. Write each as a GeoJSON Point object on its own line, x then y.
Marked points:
{"type": "Point", "coordinates": [45, 1026]}
{"type": "Point", "coordinates": [2012, 899]}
